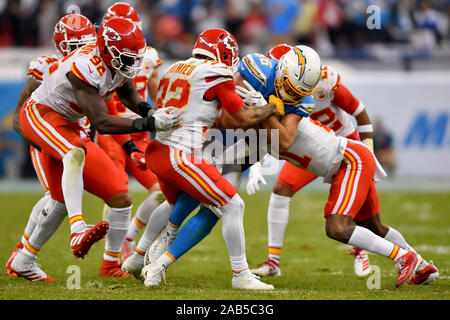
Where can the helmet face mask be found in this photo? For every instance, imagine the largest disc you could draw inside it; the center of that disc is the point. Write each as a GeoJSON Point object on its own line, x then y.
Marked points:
{"type": "Point", "coordinates": [297, 74]}
{"type": "Point", "coordinates": [122, 46]}
{"type": "Point", "coordinates": [72, 32]}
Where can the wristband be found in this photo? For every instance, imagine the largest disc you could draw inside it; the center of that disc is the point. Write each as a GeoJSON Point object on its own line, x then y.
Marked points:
{"type": "Point", "coordinates": [144, 124]}
{"type": "Point", "coordinates": [143, 109]}
{"type": "Point", "coordinates": [129, 146]}
{"type": "Point", "coordinates": [365, 128]}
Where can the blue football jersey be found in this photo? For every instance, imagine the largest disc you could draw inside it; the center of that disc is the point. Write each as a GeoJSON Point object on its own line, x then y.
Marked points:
{"type": "Point", "coordinates": [260, 71]}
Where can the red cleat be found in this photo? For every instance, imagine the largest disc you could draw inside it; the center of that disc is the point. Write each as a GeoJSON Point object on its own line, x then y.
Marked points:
{"type": "Point", "coordinates": [406, 265]}
{"type": "Point", "coordinates": [425, 276]}
{"type": "Point", "coordinates": [81, 242]}
{"type": "Point", "coordinates": [127, 249]}
{"type": "Point", "coordinates": [112, 269]}
{"type": "Point", "coordinates": [9, 271]}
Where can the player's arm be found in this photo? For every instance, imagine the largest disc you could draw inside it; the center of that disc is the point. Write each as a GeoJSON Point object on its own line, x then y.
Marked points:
{"type": "Point", "coordinates": [27, 90]}
{"type": "Point", "coordinates": [94, 107]}
{"type": "Point", "coordinates": [152, 85]}
{"type": "Point", "coordinates": [345, 100]}
{"type": "Point", "coordinates": [287, 129]}
{"type": "Point", "coordinates": [131, 99]}
{"type": "Point", "coordinates": [236, 114]}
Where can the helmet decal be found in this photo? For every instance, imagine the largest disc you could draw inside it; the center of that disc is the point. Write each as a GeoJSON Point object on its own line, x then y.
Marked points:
{"type": "Point", "coordinates": [111, 35]}
{"type": "Point", "coordinates": [301, 61]}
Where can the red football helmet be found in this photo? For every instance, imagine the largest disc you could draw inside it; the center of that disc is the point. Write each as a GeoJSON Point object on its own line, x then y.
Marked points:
{"type": "Point", "coordinates": [122, 46]}
{"type": "Point", "coordinates": [219, 45]}
{"type": "Point", "coordinates": [72, 31]}
{"type": "Point", "coordinates": [123, 10]}
{"type": "Point", "coordinates": [278, 51]}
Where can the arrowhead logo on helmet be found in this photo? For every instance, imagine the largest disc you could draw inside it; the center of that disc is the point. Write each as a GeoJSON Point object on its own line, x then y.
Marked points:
{"type": "Point", "coordinates": [111, 35]}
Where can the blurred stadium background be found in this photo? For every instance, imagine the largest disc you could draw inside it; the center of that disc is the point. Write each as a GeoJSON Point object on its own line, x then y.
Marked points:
{"type": "Point", "coordinates": [400, 69]}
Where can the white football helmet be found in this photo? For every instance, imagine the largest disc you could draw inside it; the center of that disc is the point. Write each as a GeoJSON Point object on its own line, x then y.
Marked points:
{"type": "Point", "coordinates": [297, 74]}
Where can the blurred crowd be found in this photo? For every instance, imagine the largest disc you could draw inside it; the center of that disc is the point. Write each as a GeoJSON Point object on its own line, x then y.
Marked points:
{"type": "Point", "coordinates": [337, 28]}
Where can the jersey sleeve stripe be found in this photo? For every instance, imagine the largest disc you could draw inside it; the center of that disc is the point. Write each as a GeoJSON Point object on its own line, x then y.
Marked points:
{"type": "Point", "coordinates": [77, 72]}
{"type": "Point", "coordinates": [337, 84]}
{"type": "Point", "coordinates": [34, 73]}
{"type": "Point", "coordinates": [251, 69]}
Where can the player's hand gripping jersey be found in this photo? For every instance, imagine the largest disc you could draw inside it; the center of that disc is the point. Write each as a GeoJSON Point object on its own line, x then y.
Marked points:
{"type": "Point", "coordinates": [85, 63]}
{"type": "Point", "coordinates": [184, 86]}
{"type": "Point", "coordinates": [260, 72]}
{"type": "Point", "coordinates": [335, 104]}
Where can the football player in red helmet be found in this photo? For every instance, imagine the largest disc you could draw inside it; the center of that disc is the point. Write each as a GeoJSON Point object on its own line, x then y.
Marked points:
{"type": "Point", "coordinates": [70, 32]}
{"type": "Point", "coordinates": [127, 150]}
{"type": "Point", "coordinates": [173, 156]}
{"type": "Point", "coordinates": [122, 10]}
{"type": "Point", "coordinates": [74, 88]}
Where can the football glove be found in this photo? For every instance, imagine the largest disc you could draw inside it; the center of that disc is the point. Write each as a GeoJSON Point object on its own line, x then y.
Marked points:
{"type": "Point", "coordinates": [250, 96]}
{"type": "Point", "coordinates": [166, 118]}
{"type": "Point", "coordinates": [255, 178]}
{"type": "Point", "coordinates": [132, 150]}
{"type": "Point", "coordinates": [280, 111]}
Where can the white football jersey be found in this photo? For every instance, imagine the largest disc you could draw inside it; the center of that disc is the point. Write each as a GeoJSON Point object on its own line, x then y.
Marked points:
{"type": "Point", "coordinates": [326, 112]}
{"type": "Point", "coordinates": [39, 66]}
{"type": "Point", "coordinates": [56, 91]}
{"type": "Point", "coordinates": [150, 61]}
{"type": "Point", "coordinates": [183, 86]}
{"type": "Point", "coordinates": [316, 148]}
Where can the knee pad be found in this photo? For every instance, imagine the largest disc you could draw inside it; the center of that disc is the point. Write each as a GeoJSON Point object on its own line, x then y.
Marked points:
{"type": "Point", "coordinates": [74, 158]}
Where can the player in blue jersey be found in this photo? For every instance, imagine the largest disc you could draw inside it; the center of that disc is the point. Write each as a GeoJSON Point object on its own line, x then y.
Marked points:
{"type": "Point", "coordinates": [292, 79]}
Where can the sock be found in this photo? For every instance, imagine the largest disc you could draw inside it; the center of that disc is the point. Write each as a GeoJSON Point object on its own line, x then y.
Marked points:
{"type": "Point", "coordinates": [166, 259]}
{"type": "Point", "coordinates": [118, 220]}
{"type": "Point", "coordinates": [396, 237]}
{"type": "Point", "coordinates": [239, 265]}
{"type": "Point", "coordinates": [365, 239]}
{"type": "Point", "coordinates": [48, 224]}
{"type": "Point", "coordinates": [277, 220]}
{"type": "Point", "coordinates": [143, 213]}
{"type": "Point", "coordinates": [158, 220]}
{"type": "Point", "coordinates": [192, 232]}
{"type": "Point", "coordinates": [233, 233]}
{"type": "Point", "coordinates": [72, 187]}
{"type": "Point", "coordinates": [34, 217]}
{"type": "Point", "coordinates": [182, 208]}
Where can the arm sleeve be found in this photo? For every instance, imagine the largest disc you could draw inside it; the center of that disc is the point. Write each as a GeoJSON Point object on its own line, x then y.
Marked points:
{"type": "Point", "coordinates": [225, 92]}
{"type": "Point", "coordinates": [119, 138]}
{"type": "Point", "coordinates": [345, 100]}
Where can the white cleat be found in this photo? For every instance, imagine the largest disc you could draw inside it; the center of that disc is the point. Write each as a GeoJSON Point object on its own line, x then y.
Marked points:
{"type": "Point", "coordinates": [268, 268]}
{"type": "Point", "coordinates": [249, 281]}
{"type": "Point", "coordinates": [151, 274]}
{"type": "Point", "coordinates": [361, 263]}
{"type": "Point", "coordinates": [158, 246]}
{"type": "Point", "coordinates": [133, 265]}
{"type": "Point", "coordinates": [31, 271]}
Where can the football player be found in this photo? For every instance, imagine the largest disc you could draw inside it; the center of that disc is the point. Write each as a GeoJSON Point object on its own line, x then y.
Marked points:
{"type": "Point", "coordinates": [203, 88]}
{"type": "Point", "coordinates": [71, 32]}
{"type": "Point", "coordinates": [351, 169]}
{"type": "Point", "coordinates": [334, 107]}
{"type": "Point", "coordinates": [200, 225]}
{"type": "Point", "coordinates": [127, 150]}
{"type": "Point", "coordinates": [75, 87]}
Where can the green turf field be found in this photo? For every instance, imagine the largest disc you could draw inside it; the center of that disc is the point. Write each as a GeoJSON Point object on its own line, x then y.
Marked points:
{"type": "Point", "coordinates": [313, 266]}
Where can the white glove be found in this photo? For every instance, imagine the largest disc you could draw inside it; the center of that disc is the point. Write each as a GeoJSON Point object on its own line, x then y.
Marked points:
{"type": "Point", "coordinates": [166, 118]}
{"type": "Point", "coordinates": [255, 178]}
{"type": "Point", "coordinates": [250, 96]}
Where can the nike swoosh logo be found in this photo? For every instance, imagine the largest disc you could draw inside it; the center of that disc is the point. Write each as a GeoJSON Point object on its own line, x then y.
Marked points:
{"type": "Point", "coordinates": [90, 69]}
